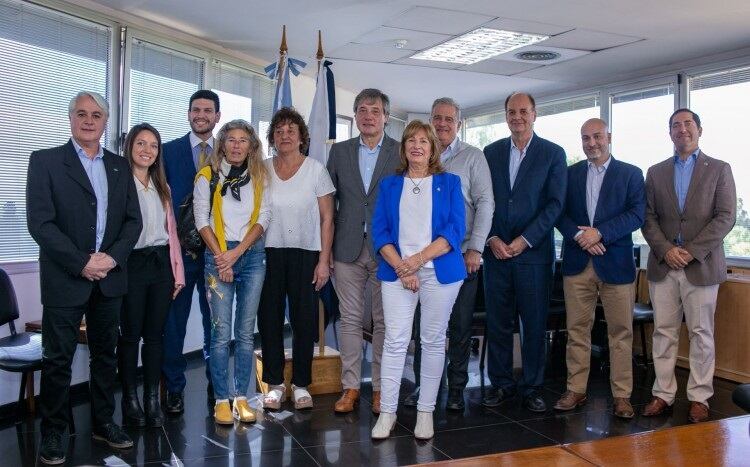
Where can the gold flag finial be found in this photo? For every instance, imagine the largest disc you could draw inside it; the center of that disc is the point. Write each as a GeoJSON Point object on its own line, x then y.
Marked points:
{"type": "Point", "coordinates": [283, 48]}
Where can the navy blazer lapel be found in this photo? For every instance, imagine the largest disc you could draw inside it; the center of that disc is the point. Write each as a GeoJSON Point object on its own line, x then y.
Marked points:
{"type": "Point", "coordinates": [579, 185]}
{"type": "Point", "coordinates": [75, 168]}
{"type": "Point", "coordinates": [526, 162]}
{"type": "Point", "coordinates": [187, 162]}
{"type": "Point", "coordinates": [610, 177]}
{"type": "Point", "coordinates": [113, 173]}
{"type": "Point", "coordinates": [504, 161]}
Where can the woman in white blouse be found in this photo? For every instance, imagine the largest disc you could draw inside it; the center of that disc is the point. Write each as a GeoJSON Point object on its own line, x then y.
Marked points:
{"type": "Point", "coordinates": [232, 220]}
{"type": "Point", "coordinates": [155, 276]}
{"type": "Point", "coordinates": [298, 254]}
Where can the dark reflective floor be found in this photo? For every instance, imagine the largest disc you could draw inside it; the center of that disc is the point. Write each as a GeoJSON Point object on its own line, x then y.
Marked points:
{"type": "Point", "coordinates": [321, 437]}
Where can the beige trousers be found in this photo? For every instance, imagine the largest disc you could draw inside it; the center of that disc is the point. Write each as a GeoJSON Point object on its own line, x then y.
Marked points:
{"type": "Point", "coordinates": [581, 293]}
{"type": "Point", "coordinates": [350, 282]}
{"type": "Point", "coordinates": [671, 297]}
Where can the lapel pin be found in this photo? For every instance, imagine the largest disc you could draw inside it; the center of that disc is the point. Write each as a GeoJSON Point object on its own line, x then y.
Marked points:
{"type": "Point", "coordinates": [705, 163]}
{"type": "Point", "coordinates": [115, 170]}
{"type": "Point", "coordinates": [438, 188]}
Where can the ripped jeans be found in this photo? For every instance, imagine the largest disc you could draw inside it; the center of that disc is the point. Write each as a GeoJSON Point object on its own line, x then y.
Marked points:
{"type": "Point", "coordinates": [249, 273]}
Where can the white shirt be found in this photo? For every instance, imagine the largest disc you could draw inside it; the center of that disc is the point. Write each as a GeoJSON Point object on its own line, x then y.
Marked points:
{"type": "Point", "coordinates": [516, 156]}
{"type": "Point", "coordinates": [294, 202]}
{"type": "Point", "coordinates": [415, 217]}
{"type": "Point", "coordinates": [154, 216]}
{"type": "Point", "coordinates": [236, 214]}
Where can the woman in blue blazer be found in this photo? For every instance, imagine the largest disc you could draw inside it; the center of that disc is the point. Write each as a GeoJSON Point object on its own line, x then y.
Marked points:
{"type": "Point", "coordinates": [417, 230]}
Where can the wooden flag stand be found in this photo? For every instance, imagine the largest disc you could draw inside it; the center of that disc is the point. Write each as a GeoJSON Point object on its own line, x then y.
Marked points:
{"type": "Point", "coordinates": [326, 366]}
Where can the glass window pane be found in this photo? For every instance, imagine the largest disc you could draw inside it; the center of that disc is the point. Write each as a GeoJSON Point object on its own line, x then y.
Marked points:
{"type": "Point", "coordinates": [560, 122]}
{"type": "Point", "coordinates": [721, 100]}
{"type": "Point", "coordinates": [35, 44]}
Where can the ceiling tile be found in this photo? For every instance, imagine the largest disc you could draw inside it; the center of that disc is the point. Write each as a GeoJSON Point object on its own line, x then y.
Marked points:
{"type": "Point", "coordinates": [369, 53]}
{"type": "Point", "coordinates": [428, 63]}
{"type": "Point", "coordinates": [416, 40]}
{"type": "Point", "coordinates": [587, 39]}
{"type": "Point", "coordinates": [437, 20]}
{"type": "Point", "coordinates": [500, 67]}
{"type": "Point", "coordinates": [532, 27]}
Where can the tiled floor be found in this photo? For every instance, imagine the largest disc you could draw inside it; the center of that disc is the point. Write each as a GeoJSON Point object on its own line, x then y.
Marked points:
{"type": "Point", "coordinates": [321, 437]}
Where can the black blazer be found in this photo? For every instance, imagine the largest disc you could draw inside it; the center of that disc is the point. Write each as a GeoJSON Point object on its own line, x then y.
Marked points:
{"type": "Point", "coordinates": [536, 200]}
{"type": "Point", "coordinates": [61, 217]}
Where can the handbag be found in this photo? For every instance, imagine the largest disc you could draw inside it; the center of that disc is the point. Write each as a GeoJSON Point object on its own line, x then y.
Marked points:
{"type": "Point", "coordinates": [190, 239]}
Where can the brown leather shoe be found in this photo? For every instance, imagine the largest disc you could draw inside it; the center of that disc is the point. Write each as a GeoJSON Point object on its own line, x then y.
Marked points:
{"type": "Point", "coordinates": [657, 406]}
{"type": "Point", "coordinates": [376, 402]}
{"type": "Point", "coordinates": [570, 400]}
{"type": "Point", "coordinates": [698, 412]}
{"type": "Point", "coordinates": [347, 401]}
{"type": "Point", "coordinates": [622, 408]}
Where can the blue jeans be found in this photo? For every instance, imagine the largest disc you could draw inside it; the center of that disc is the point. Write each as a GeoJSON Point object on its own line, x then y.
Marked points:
{"type": "Point", "coordinates": [249, 273]}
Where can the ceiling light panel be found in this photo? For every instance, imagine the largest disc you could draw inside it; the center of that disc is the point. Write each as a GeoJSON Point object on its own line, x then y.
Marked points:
{"type": "Point", "coordinates": [477, 45]}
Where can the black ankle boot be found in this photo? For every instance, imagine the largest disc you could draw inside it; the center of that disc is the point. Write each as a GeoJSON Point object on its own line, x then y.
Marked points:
{"type": "Point", "coordinates": [154, 416]}
{"type": "Point", "coordinates": [132, 413]}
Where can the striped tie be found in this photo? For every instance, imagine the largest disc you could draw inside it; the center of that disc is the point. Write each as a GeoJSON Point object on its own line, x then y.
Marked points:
{"type": "Point", "coordinates": [202, 156]}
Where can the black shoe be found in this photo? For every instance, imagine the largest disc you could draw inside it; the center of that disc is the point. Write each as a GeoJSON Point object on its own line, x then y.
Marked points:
{"type": "Point", "coordinates": [132, 413]}
{"type": "Point", "coordinates": [113, 435]}
{"type": "Point", "coordinates": [496, 396]}
{"type": "Point", "coordinates": [455, 400]}
{"type": "Point", "coordinates": [412, 399]}
{"type": "Point", "coordinates": [534, 402]}
{"type": "Point", "coordinates": [154, 417]}
{"type": "Point", "coordinates": [175, 403]}
{"type": "Point", "coordinates": [51, 451]}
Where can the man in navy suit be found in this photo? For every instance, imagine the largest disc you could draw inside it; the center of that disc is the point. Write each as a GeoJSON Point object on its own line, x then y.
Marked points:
{"type": "Point", "coordinates": [182, 158]}
{"type": "Point", "coordinates": [606, 202]}
{"type": "Point", "coordinates": [528, 182]}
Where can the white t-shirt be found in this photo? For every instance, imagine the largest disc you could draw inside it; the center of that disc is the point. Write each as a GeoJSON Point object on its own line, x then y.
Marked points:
{"type": "Point", "coordinates": [294, 203]}
{"type": "Point", "coordinates": [415, 217]}
{"type": "Point", "coordinates": [236, 214]}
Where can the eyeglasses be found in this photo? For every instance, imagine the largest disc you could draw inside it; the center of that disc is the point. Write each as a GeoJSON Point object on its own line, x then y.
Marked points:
{"type": "Point", "coordinates": [234, 141]}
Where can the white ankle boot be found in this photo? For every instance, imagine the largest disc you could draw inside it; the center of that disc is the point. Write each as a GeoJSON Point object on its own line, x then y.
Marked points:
{"type": "Point", "coordinates": [384, 425]}
{"type": "Point", "coordinates": [424, 429]}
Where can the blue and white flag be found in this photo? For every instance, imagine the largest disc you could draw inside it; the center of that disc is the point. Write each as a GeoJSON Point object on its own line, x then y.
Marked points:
{"type": "Point", "coordinates": [322, 121]}
{"type": "Point", "coordinates": [283, 94]}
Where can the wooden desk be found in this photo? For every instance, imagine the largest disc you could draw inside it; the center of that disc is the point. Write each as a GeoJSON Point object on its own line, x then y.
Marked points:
{"type": "Point", "coordinates": [547, 456]}
{"type": "Point", "coordinates": [723, 442]}
{"type": "Point", "coordinates": [731, 328]}
{"type": "Point", "coordinates": [36, 326]}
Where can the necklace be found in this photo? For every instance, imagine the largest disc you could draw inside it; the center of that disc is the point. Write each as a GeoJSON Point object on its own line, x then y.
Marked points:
{"type": "Point", "coordinates": [416, 188]}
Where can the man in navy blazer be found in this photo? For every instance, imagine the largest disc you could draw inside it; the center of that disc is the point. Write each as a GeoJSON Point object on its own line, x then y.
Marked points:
{"type": "Point", "coordinates": [182, 158]}
{"type": "Point", "coordinates": [606, 202]}
{"type": "Point", "coordinates": [528, 182]}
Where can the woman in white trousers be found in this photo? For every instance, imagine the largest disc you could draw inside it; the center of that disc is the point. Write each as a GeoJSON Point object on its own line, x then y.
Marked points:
{"type": "Point", "coordinates": [417, 230]}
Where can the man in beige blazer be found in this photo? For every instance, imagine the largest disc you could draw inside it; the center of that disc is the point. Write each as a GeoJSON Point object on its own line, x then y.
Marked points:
{"type": "Point", "coordinates": [691, 207]}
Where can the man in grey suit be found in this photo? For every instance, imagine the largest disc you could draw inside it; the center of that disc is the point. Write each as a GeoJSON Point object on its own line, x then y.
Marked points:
{"type": "Point", "coordinates": [691, 207]}
{"type": "Point", "coordinates": [356, 167]}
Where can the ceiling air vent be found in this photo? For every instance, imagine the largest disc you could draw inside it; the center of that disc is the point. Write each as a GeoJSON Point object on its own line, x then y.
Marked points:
{"type": "Point", "coordinates": [537, 55]}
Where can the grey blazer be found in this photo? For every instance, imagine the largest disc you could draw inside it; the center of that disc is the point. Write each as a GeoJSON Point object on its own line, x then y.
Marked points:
{"type": "Point", "coordinates": [354, 207]}
{"type": "Point", "coordinates": [709, 215]}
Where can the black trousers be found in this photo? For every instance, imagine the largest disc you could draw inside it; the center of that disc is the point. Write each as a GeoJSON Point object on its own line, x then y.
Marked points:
{"type": "Point", "coordinates": [289, 273]}
{"type": "Point", "coordinates": [459, 336]}
{"type": "Point", "coordinates": [144, 312]}
{"type": "Point", "coordinates": [59, 340]}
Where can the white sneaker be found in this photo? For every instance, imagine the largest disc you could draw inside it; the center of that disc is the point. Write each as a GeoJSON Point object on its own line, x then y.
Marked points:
{"type": "Point", "coordinates": [385, 424]}
{"type": "Point", "coordinates": [424, 428]}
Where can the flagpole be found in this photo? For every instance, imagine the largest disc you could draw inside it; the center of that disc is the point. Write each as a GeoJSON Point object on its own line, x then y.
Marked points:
{"type": "Point", "coordinates": [283, 50]}
{"type": "Point", "coordinates": [321, 309]}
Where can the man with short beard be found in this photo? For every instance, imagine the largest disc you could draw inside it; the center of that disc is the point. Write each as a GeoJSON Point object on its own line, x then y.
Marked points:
{"type": "Point", "coordinates": [605, 204]}
{"type": "Point", "coordinates": [182, 159]}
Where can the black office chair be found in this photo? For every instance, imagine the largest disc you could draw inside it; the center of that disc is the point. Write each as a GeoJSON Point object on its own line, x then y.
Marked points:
{"type": "Point", "coordinates": [741, 396]}
{"type": "Point", "coordinates": [8, 314]}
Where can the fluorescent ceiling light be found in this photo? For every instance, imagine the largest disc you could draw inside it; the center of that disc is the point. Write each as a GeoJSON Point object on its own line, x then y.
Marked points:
{"type": "Point", "coordinates": [477, 45]}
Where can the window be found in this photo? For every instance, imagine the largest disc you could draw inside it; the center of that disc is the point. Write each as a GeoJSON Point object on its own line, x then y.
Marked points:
{"type": "Point", "coordinates": [640, 129]}
{"type": "Point", "coordinates": [35, 44]}
{"type": "Point", "coordinates": [395, 127]}
{"type": "Point", "coordinates": [246, 95]}
{"type": "Point", "coordinates": [483, 130]}
{"type": "Point", "coordinates": [161, 83]}
{"type": "Point", "coordinates": [561, 121]}
{"type": "Point", "coordinates": [721, 100]}
{"type": "Point", "coordinates": [343, 128]}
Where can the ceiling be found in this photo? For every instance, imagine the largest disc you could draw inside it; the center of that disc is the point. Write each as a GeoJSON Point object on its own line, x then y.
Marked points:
{"type": "Point", "coordinates": [600, 41]}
